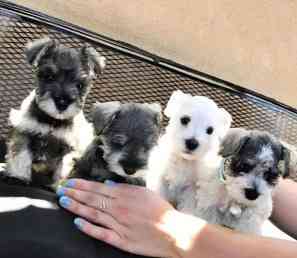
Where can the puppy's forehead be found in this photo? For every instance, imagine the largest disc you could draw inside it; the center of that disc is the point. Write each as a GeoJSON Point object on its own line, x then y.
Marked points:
{"type": "Point", "coordinates": [65, 59]}
{"type": "Point", "coordinates": [261, 147]}
{"type": "Point", "coordinates": [134, 118]}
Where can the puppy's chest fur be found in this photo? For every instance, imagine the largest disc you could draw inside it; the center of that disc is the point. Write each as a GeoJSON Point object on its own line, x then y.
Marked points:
{"type": "Point", "coordinates": [217, 206]}
{"type": "Point", "coordinates": [46, 152]}
{"type": "Point", "coordinates": [178, 183]}
{"type": "Point", "coordinates": [39, 144]}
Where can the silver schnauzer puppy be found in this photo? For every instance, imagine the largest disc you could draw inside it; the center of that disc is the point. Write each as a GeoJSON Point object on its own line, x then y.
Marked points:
{"type": "Point", "coordinates": [50, 125]}
{"type": "Point", "coordinates": [125, 135]}
{"type": "Point", "coordinates": [240, 195]}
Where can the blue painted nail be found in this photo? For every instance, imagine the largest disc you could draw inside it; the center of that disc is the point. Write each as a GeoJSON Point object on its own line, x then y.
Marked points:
{"type": "Point", "coordinates": [61, 191]}
{"type": "Point", "coordinates": [110, 183]}
{"type": "Point", "coordinates": [78, 223]}
{"type": "Point", "coordinates": [64, 201]}
{"type": "Point", "coordinates": [70, 183]}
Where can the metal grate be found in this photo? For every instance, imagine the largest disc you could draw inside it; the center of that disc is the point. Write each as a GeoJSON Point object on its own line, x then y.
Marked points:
{"type": "Point", "coordinates": [127, 78]}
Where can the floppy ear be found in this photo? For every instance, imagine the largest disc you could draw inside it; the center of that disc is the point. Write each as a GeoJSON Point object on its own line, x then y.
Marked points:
{"type": "Point", "coordinates": [37, 49]}
{"type": "Point", "coordinates": [226, 120]}
{"type": "Point", "coordinates": [92, 61]}
{"type": "Point", "coordinates": [103, 114]}
{"type": "Point", "coordinates": [289, 157]}
{"type": "Point", "coordinates": [233, 141]}
{"type": "Point", "coordinates": [175, 101]}
{"type": "Point", "coordinates": [156, 109]}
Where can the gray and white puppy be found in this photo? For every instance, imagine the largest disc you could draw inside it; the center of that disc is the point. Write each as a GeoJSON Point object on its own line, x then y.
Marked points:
{"type": "Point", "coordinates": [49, 126]}
{"type": "Point", "coordinates": [240, 196]}
{"type": "Point", "coordinates": [125, 135]}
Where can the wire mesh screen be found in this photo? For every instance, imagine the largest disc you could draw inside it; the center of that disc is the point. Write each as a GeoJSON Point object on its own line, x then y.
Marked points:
{"type": "Point", "coordinates": [126, 78]}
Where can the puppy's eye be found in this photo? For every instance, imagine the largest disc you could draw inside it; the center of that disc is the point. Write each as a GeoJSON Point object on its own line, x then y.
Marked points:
{"type": "Point", "coordinates": [244, 167]}
{"type": "Point", "coordinates": [118, 145]}
{"type": "Point", "coordinates": [209, 130]}
{"type": "Point", "coordinates": [80, 85]}
{"type": "Point", "coordinates": [185, 120]}
{"type": "Point", "coordinates": [118, 142]}
{"type": "Point", "coordinates": [271, 176]}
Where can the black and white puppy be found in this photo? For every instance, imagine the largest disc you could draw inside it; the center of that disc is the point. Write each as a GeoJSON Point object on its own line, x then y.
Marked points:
{"type": "Point", "coordinates": [50, 125]}
{"type": "Point", "coordinates": [240, 195]}
{"type": "Point", "coordinates": [125, 135]}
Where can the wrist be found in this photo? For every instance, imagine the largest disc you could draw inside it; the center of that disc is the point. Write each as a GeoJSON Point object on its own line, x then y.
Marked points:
{"type": "Point", "coordinates": [183, 230]}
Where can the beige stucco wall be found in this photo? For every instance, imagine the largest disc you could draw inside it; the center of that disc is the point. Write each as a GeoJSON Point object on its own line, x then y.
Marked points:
{"type": "Point", "coordinates": [252, 43]}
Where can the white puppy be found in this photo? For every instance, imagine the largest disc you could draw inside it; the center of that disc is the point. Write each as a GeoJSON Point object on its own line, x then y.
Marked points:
{"type": "Point", "coordinates": [189, 148]}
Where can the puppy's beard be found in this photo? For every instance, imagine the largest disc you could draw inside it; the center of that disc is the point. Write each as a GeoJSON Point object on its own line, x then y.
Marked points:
{"type": "Point", "coordinates": [116, 167]}
{"type": "Point", "coordinates": [188, 156]}
{"type": "Point", "coordinates": [236, 185]}
{"type": "Point", "coordinates": [47, 105]}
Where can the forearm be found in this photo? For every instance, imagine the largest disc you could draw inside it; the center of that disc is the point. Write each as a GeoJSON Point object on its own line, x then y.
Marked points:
{"type": "Point", "coordinates": [199, 240]}
{"type": "Point", "coordinates": [285, 203]}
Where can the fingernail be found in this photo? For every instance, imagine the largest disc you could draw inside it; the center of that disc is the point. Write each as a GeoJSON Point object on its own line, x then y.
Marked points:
{"type": "Point", "coordinates": [61, 191]}
{"type": "Point", "coordinates": [110, 183]}
{"type": "Point", "coordinates": [64, 201]}
{"type": "Point", "coordinates": [78, 223]}
{"type": "Point", "coordinates": [70, 183]}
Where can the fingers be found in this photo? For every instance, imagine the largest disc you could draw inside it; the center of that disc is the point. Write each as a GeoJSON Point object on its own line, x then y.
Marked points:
{"type": "Point", "coordinates": [91, 199]}
{"type": "Point", "coordinates": [94, 187]}
{"type": "Point", "coordinates": [106, 235]}
{"type": "Point", "coordinates": [90, 213]}
{"type": "Point", "coordinates": [109, 189]}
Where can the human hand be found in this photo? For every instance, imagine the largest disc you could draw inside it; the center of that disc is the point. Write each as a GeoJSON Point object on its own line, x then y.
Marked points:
{"type": "Point", "coordinates": [131, 218]}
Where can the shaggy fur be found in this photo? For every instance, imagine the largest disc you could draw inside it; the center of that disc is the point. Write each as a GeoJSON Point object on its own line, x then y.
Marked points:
{"type": "Point", "coordinates": [189, 146]}
{"type": "Point", "coordinates": [125, 135]}
{"type": "Point", "coordinates": [238, 194]}
{"type": "Point", "coordinates": [50, 126]}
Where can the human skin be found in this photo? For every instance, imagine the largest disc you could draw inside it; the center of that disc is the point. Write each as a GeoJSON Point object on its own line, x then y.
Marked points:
{"type": "Point", "coordinates": [140, 221]}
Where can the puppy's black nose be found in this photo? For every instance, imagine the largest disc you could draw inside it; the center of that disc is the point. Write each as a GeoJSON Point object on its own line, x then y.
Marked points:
{"type": "Point", "coordinates": [131, 166]}
{"type": "Point", "coordinates": [62, 103]}
{"type": "Point", "coordinates": [192, 144]}
{"type": "Point", "coordinates": [130, 171]}
{"type": "Point", "coordinates": [251, 193]}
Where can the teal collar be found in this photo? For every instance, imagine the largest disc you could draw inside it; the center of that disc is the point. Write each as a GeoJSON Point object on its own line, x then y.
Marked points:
{"type": "Point", "coordinates": [223, 166]}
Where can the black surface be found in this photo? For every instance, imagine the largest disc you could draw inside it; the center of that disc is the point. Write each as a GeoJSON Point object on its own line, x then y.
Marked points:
{"type": "Point", "coordinates": [45, 233]}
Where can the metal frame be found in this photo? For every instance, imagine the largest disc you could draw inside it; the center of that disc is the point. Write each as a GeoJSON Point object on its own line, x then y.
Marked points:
{"type": "Point", "coordinates": [127, 49]}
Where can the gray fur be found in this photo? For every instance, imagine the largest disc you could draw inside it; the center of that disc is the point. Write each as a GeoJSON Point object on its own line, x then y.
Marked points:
{"type": "Point", "coordinates": [256, 160]}
{"type": "Point", "coordinates": [48, 125]}
{"type": "Point", "coordinates": [126, 133]}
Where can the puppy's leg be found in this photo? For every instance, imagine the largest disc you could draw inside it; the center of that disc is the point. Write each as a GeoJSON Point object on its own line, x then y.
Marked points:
{"type": "Point", "coordinates": [65, 168]}
{"type": "Point", "coordinates": [19, 157]}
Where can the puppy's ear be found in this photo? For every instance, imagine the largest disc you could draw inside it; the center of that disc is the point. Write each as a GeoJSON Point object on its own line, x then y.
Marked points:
{"type": "Point", "coordinates": [103, 114]}
{"type": "Point", "coordinates": [92, 61]}
{"type": "Point", "coordinates": [289, 158]}
{"type": "Point", "coordinates": [175, 101]}
{"type": "Point", "coordinates": [235, 139]}
{"type": "Point", "coordinates": [37, 49]}
{"type": "Point", "coordinates": [225, 122]}
{"type": "Point", "coordinates": [156, 109]}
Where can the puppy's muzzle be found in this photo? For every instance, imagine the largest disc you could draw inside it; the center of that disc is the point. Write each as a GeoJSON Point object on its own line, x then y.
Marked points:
{"type": "Point", "coordinates": [251, 193]}
{"type": "Point", "coordinates": [191, 144]}
{"type": "Point", "coordinates": [130, 167]}
{"type": "Point", "coordinates": [62, 103]}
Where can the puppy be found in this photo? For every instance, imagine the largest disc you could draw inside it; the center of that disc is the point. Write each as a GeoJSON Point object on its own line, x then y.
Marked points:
{"type": "Point", "coordinates": [239, 194]}
{"type": "Point", "coordinates": [50, 125]}
{"type": "Point", "coordinates": [189, 146]}
{"type": "Point", "coordinates": [125, 135]}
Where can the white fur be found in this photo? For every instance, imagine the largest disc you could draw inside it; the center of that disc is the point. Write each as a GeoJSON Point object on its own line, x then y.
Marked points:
{"type": "Point", "coordinates": [79, 136]}
{"type": "Point", "coordinates": [225, 203]}
{"type": "Point", "coordinates": [173, 171]}
{"type": "Point", "coordinates": [20, 165]}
